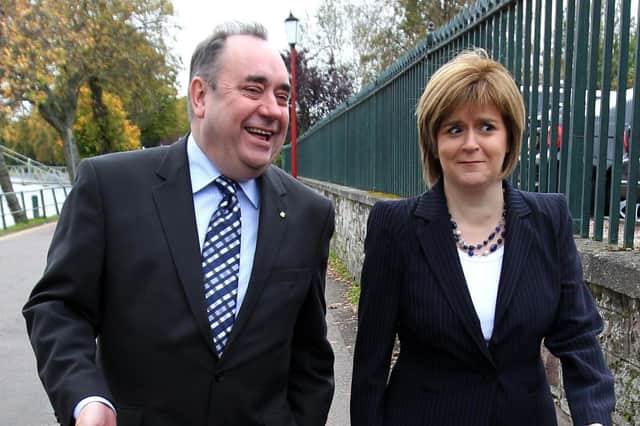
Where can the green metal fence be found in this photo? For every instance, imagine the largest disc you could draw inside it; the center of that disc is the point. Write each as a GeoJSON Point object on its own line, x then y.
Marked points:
{"type": "Point", "coordinates": [562, 54]}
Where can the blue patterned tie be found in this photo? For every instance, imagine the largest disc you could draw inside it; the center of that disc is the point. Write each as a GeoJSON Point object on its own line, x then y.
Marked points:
{"type": "Point", "coordinates": [221, 263]}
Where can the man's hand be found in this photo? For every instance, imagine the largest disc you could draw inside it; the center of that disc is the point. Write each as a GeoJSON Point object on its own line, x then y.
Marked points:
{"type": "Point", "coordinates": [96, 414]}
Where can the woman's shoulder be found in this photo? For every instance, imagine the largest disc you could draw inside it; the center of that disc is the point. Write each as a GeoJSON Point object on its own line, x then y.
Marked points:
{"type": "Point", "coordinates": [393, 210]}
{"type": "Point", "coordinates": [545, 202]}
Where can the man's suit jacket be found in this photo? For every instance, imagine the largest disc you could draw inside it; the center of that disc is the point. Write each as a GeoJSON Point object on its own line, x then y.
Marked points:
{"type": "Point", "coordinates": [125, 267]}
{"type": "Point", "coordinates": [413, 285]}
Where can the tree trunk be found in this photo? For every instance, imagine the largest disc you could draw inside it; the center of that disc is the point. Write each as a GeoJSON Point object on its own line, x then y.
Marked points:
{"type": "Point", "coordinates": [60, 112]}
{"type": "Point", "coordinates": [71, 155]}
{"type": "Point", "coordinates": [19, 215]}
{"type": "Point", "coordinates": [100, 116]}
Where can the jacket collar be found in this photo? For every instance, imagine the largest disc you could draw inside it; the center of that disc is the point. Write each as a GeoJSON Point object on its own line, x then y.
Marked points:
{"type": "Point", "coordinates": [433, 228]}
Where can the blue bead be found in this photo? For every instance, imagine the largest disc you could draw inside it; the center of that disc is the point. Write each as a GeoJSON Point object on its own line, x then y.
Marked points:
{"type": "Point", "coordinates": [493, 247]}
{"type": "Point", "coordinates": [492, 235]}
{"type": "Point", "coordinates": [479, 246]}
{"type": "Point", "coordinates": [470, 253]}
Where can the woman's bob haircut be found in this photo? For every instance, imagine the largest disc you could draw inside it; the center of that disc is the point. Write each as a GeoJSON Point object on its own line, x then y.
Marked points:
{"type": "Point", "coordinates": [469, 78]}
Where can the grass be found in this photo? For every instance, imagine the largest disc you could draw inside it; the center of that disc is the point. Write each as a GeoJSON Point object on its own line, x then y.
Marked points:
{"type": "Point", "coordinates": [339, 272]}
{"type": "Point", "coordinates": [378, 194]}
{"type": "Point", "coordinates": [26, 225]}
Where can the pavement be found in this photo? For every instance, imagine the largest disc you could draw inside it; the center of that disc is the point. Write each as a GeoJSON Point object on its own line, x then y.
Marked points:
{"type": "Point", "coordinates": [22, 259]}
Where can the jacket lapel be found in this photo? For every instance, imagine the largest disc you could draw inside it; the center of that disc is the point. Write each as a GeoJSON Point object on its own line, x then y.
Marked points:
{"type": "Point", "coordinates": [174, 203]}
{"type": "Point", "coordinates": [518, 240]}
{"type": "Point", "coordinates": [434, 233]}
{"type": "Point", "coordinates": [271, 230]}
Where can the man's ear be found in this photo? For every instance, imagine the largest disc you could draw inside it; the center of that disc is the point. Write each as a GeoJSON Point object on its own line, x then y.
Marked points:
{"type": "Point", "coordinates": [197, 91]}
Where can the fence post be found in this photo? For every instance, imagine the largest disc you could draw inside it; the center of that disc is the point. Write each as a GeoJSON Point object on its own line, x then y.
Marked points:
{"type": "Point", "coordinates": [55, 201]}
{"type": "Point", "coordinates": [34, 204]}
{"type": "Point", "coordinates": [577, 126]}
{"type": "Point", "coordinates": [4, 222]}
{"type": "Point", "coordinates": [44, 207]}
{"type": "Point", "coordinates": [24, 204]}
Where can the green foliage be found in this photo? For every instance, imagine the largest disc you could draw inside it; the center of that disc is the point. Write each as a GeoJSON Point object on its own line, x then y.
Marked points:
{"type": "Point", "coordinates": [30, 135]}
{"type": "Point", "coordinates": [108, 133]}
{"type": "Point", "coordinates": [48, 52]}
{"type": "Point", "coordinates": [339, 272]}
{"type": "Point", "coordinates": [379, 32]}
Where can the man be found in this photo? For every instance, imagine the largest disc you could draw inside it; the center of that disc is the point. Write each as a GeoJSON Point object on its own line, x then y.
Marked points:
{"type": "Point", "coordinates": [185, 285]}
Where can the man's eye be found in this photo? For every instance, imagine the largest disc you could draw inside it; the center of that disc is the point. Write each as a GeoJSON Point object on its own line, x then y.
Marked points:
{"type": "Point", "coordinates": [283, 99]}
{"type": "Point", "coordinates": [253, 90]}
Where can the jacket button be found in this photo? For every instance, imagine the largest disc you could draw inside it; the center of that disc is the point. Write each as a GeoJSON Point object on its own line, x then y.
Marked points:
{"type": "Point", "coordinates": [219, 377]}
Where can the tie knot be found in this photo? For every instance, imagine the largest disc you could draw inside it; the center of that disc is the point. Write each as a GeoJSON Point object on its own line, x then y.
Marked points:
{"type": "Point", "coordinates": [226, 185]}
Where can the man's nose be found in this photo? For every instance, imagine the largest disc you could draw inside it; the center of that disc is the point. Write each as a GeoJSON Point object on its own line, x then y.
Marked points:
{"type": "Point", "coordinates": [269, 107]}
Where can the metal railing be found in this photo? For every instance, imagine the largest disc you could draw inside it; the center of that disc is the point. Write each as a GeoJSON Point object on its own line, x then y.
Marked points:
{"type": "Point", "coordinates": [562, 54]}
{"type": "Point", "coordinates": [26, 170]}
{"type": "Point", "coordinates": [44, 201]}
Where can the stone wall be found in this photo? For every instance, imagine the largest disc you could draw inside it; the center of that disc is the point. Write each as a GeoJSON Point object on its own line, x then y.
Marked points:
{"type": "Point", "coordinates": [613, 276]}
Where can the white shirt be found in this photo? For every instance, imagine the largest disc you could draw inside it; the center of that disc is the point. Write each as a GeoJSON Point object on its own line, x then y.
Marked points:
{"type": "Point", "coordinates": [482, 274]}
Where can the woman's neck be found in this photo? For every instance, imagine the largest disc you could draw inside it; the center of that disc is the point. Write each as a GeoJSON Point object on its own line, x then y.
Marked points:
{"type": "Point", "coordinates": [475, 207]}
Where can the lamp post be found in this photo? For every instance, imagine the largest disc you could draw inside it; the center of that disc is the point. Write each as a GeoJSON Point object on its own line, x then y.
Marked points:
{"type": "Point", "coordinates": [291, 27]}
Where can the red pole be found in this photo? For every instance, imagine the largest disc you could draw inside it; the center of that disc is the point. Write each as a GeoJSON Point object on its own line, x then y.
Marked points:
{"type": "Point", "coordinates": [294, 124]}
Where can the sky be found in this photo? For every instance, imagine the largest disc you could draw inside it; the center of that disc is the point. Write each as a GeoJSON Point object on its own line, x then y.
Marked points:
{"type": "Point", "coordinates": [197, 18]}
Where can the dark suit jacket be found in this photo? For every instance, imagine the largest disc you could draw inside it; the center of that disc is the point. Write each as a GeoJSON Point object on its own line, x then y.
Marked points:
{"type": "Point", "coordinates": [413, 285]}
{"type": "Point", "coordinates": [124, 266]}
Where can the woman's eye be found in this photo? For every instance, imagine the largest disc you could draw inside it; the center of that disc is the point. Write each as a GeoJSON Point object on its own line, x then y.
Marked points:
{"type": "Point", "coordinates": [454, 130]}
{"type": "Point", "coordinates": [487, 127]}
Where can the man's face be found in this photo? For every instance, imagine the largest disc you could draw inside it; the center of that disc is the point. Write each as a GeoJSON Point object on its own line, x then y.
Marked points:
{"type": "Point", "coordinates": [245, 118]}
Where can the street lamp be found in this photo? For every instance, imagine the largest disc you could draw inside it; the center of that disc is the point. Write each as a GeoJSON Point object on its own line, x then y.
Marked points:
{"type": "Point", "coordinates": [291, 28]}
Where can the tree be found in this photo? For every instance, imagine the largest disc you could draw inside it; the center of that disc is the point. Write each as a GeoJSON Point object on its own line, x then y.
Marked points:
{"type": "Point", "coordinates": [33, 137]}
{"type": "Point", "coordinates": [19, 215]}
{"type": "Point", "coordinates": [107, 132]}
{"type": "Point", "coordinates": [416, 15]}
{"type": "Point", "coordinates": [48, 52]}
{"type": "Point", "coordinates": [380, 31]}
{"type": "Point", "coordinates": [319, 90]}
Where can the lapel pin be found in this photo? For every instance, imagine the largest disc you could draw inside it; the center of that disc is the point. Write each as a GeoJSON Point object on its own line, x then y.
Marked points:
{"type": "Point", "coordinates": [283, 215]}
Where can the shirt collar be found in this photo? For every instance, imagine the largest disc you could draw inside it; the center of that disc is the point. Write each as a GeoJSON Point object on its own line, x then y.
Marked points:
{"type": "Point", "coordinates": [203, 173]}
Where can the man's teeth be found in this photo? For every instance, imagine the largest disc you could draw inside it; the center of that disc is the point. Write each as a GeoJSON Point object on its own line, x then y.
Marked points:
{"type": "Point", "coordinates": [259, 131]}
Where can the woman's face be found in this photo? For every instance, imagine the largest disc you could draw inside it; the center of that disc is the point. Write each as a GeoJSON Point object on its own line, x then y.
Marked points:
{"type": "Point", "coordinates": [471, 146]}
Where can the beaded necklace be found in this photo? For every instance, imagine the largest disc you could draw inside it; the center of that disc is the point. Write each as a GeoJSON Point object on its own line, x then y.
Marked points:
{"type": "Point", "coordinates": [471, 249]}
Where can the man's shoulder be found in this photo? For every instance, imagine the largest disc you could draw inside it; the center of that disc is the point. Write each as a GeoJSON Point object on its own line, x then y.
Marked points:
{"type": "Point", "coordinates": [293, 187]}
{"type": "Point", "coordinates": [135, 160]}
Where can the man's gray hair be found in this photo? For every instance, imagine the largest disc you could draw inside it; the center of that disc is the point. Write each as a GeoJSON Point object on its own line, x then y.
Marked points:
{"type": "Point", "coordinates": [204, 61]}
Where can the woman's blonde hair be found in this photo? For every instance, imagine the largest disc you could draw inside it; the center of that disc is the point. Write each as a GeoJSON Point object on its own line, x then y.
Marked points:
{"type": "Point", "coordinates": [469, 78]}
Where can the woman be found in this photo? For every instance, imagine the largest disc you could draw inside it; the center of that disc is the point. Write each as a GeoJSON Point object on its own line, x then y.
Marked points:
{"type": "Point", "coordinates": [472, 276]}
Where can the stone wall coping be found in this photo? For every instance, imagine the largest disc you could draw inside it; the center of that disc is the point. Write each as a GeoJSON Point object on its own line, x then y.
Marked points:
{"type": "Point", "coordinates": [617, 270]}
{"type": "Point", "coordinates": [353, 194]}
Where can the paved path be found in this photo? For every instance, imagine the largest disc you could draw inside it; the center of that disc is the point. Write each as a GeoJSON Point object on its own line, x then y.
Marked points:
{"type": "Point", "coordinates": [22, 398]}
{"type": "Point", "coordinates": [23, 401]}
